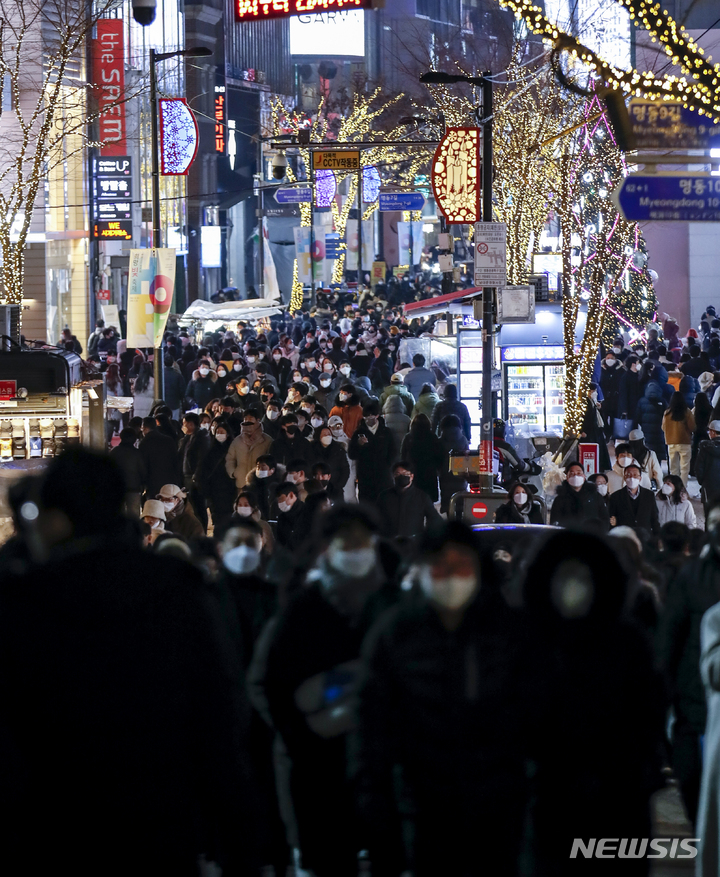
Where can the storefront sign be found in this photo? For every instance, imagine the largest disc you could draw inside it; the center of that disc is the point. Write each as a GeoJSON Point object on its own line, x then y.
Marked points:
{"type": "Point", "coordinates": [336, 159]}
{"type": "Point", "coordinates": [109, 84]}
{"type": "Point", "coordinates": [8, 390]}
{"type": "Point", "coordinates": [252, 10]}
{"type": "Point", "coordinates": [490, 246]}
{"type": "Point", "coordinates": [103, 295]}
{"type": "Point", "coordinates": [112, 198]}
{"type": "Point", "coordinates": [220, 139]}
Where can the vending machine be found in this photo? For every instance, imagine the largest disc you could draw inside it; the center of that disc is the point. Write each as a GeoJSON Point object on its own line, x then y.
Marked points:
{"type": "Point", "coordinates": [533, 379]}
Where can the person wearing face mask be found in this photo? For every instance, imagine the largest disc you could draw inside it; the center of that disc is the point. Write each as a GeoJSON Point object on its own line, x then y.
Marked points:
{"type": "Point", "coordinates": [297, 474]}
{"type": "Point", "coordinates": [442, 673]}
{"type": "Point", "coordinates": [520, 507]}
{"type": "Point", "coordinates": [192, 448]}
{"type": "Point", "coordinates": [576, 593]}
{"type": "Point", "coordinates": [289, 445]}
{"type": "Point", "coordinates": [593, 426]}
{"type": "Point", "coordinates": [630, 391]}
{"type": "Point", "coordinates": [244, 451]}
{"type": "Point", "coordinates": [202, 386]}
{"type": "Point", "coordinates": [213, 482]}
{"type": "Point", "coordinates": [263, 481]}
{"type": "Point", "coordinates": [405, 509]}
{"type": "Point", "coordinates": [279, 367]}
{"type": "Point", "coordinates": [610, 377]}
{"type": "Point", "coordinates": [673, 503]}
{"type": "Point", "coordinates": [270, 423]}
{"type": "Point", "coordinates": [174, 387]}
{"type": "Point", "coordinates": [243, 397]}
{"type": "Point", "coordinates": [615, 476]}
{"type": "Point", "coordinates": [634, 506]}
{"type": "Point", "coordinates": [398, 388]}
{"type": "Point", "coordinates": [245, 508]}
{"type": "Point", "coordinates": [348, 408]}
{"type": "Point", "coordinates": [325, 450]}
{"type": "Point", "coordinates": [599, 479]}
{"type": "Point", "coordinates": [707, 466]}
{"type": "Point", "coordinates": [371, 446]}
{"type": "Point", "coordinates": [293, 525]}
{"type": "Point", "coordinates": [180, 516]}
{"type": "Point", "coordinates": [577, 501]}
{"type": "Point", "coordinates": [153, 513]}
{"type": "Point", "coordinates": [307, 671]}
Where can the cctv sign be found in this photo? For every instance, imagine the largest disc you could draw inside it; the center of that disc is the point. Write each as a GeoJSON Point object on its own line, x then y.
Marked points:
{"type": "Point", "coordinates": [336, 160]}
{"type": "Point", "coordinates": [254, 10]}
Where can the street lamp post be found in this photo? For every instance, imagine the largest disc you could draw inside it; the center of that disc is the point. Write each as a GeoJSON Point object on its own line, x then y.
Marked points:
{"type": "Point", "coordinates": [155, 58]}
{"type": "Point", "coordinates": [437, 77]}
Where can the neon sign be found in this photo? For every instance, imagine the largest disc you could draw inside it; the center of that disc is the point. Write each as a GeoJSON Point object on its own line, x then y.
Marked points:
{"type": "Point", "coordinates": [252, 10]}
{"type": "Point", "coordinates": [219, 120]}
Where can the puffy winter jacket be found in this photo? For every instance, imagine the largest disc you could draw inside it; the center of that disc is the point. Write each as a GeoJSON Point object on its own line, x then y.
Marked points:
{"type": "Point", "coordinates": [707, 469]}
{"type": "Point", "coordinates": [650, 411]}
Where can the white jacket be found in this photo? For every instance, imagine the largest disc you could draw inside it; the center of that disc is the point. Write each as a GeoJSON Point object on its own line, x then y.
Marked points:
{"type": "Point", "coordinates": [676, 511]}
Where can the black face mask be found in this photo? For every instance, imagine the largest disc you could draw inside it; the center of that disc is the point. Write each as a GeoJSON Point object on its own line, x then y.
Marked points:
{"type": "Point", "coordinates": [402, 481]}
{"type": "Point", "coordinates": [291, 430]}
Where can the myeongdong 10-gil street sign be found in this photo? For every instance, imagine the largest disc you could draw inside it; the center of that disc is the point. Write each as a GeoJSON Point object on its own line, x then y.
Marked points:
{"type": "Point", "coordinates": [254, 10]}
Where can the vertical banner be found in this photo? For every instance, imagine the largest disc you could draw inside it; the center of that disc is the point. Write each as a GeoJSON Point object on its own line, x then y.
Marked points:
{"type": "Point", "coordinates": [109, 84]}
{"type": "Point", "coordinates": [302, 253]}
{"type": "Point", "coordinates": [368, 254]}
{"type": "Point", "coordinates": [404, 229]}
{"type": "Point", "coordinates": [272, 289]}
{"type": "Point", "coordinates": [318, 253]}
{"type": "Point", "coordinates": [150, 293]}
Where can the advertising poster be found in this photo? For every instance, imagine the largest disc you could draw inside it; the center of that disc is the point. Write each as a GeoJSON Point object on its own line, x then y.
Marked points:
{"type": "Point", "coordinates": [151, 283]}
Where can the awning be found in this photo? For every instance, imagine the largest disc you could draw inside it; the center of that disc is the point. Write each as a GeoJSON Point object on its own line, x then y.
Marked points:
{"type": "Point", "coordinates": [248, 309]}
{"type": "Point", "coordinates": [440, 304]}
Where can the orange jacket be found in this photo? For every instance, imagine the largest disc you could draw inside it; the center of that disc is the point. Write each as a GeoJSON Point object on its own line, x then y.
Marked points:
{"type": "Point", "coordinates": [351, 417]}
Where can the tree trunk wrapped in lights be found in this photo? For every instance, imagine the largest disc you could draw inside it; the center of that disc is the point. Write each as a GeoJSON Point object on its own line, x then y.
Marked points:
{"type": "Point", "coordinates": [598, 253]}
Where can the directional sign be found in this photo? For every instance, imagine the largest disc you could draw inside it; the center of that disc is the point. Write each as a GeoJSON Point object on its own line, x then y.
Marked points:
{"type": "Point", "coordinates": [293, 195]}
{"type": "Point", "coordinates": [665, 124]}
{"type": "Point", "coordinates": [336, 159]}
{"type": "Point", "coordinates": [402, 201]}
{"type": "Point", "coordinates": [681, 197]}
{"type": "Point", "coordinates": [490, 254]}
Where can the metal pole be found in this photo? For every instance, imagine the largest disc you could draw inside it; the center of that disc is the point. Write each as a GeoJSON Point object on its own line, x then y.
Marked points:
{"type": "Point", "coordinates": [261, 219]}
{"type": "Point", "coordinates": [158, 373]}
{"type": "Point", "coordinates": [360, 244]}
{"type": "Point", "coordinates": [488, 316]}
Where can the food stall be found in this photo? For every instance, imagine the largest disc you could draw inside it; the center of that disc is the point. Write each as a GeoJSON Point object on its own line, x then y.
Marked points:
{"type": "Point", "coordinates": [209, 317]}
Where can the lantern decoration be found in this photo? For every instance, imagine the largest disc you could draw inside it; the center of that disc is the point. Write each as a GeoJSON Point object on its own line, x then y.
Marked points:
{"type": "Point", "coordinates": [370, 183]}
{"type": "Point", "coordinates": [325, 188]}
{"type": "Point", "coordinates": [178, 136]}
{"type": "Point", "coordinates": [456, 175]}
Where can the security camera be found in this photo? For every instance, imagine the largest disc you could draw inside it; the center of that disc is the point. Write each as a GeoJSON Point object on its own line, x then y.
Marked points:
{"type": "Point", "coordinates": [144, 11]}
{"type": "Point", "coordinates": [279, 166]}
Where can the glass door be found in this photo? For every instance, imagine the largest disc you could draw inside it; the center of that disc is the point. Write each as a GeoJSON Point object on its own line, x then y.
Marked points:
{"type": "Point", "coordinates": [526, 395]}
{"type": "Point", "coordinates": [554, 397]}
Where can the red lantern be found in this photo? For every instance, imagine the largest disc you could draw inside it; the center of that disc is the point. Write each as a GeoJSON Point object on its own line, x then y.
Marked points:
{"type": "Point", "coordinates": [456, 175]}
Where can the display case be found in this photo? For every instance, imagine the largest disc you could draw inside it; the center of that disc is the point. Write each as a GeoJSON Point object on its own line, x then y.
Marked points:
{"type": "Point", "coordinates": [534, 390]}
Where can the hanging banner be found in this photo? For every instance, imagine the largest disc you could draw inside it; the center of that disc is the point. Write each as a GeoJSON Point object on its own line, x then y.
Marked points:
{"type": "Point", "coordinates": [302, 253]}
{"type": "Point", "coordinates": [272, 289]}
{"type": "Point", "coordinates": [109, 84]}
{"type": "Point", "coordinates": [178, 136]}
{"type": "Point", "coordinates": [151, 283]}
{"type": "Point", "coordinates": [368, 241]}
{"type": "Point", "coordinates": [318, 253]}
{"type": "Point", "coordinates": [456, 175]}
{"type": "Point", "coordinates": [405, 229]}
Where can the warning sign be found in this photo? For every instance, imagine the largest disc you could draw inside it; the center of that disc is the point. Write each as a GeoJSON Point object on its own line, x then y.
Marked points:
{"type": "Point", "coordinates": [336, 160]}
{"type": "Point", "coordinates": [490, 254]}
{"type": "Point", "coordinates": [479, 510]}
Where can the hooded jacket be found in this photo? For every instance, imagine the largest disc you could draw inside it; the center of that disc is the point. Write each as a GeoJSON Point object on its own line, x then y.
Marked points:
{"type": "Point", "coordinates": [452, 406]}
{"type": "Point", "coordinates": [402, 392]}
{"type": "Point", "coordinates": [201, 389]}
{"type": "Point", "coordinates": [397, 421]}
{"type": "Point", "coordinates": [426, 404]}
{"type": "Point", "coordinates": [650, 411]}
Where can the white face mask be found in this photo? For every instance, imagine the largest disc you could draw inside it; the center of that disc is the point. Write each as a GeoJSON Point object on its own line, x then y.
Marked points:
{"type": "Point", "coordinates": [306, 409]}
{"type": "Point", "coordinates": [205, 425]}
{"type": "Point", "coordinates": [241, 560]}
{"type": "Point", "coordinates": [316, 421]}
{"type": "Point", "coordinates": [575, 480]}
{"type": "Point", "coordinates": [250, 360]}
{"type": "Point", "coordinates": [310, 364]}
{"type": "Point", "coordinates": [326, 440]}
{"type": "Point", "coordinates": [624, 461]}
{"type": "Point", "coordinates": [359, 560]}
{"type": "Point", "coordinates": [343, 397]}
{"type": "Point", "coordinates": [602, 489]}
{"type": "Point", "coordinates": [221, 372]}
{"type": "Point", "coordinates": [667, 489]}
{"type": "Point", "coordinates": [272, 414]}
{"type": "Point", "coordinates": [156, 524]}
{"type": "Point", "coordinates": [238, 367]}
{"type": "Point", "coordinates": [610, 362]}
{"type": "Point", "coordinates": [262, 473]}
{"type": "Point", "coordinates": [451, 592]}
{"type": "Point", "coordinates": [204, 371]}
{"type": "Point", "coordinates": [169, 506]}
{"type": "Point", "coordinates": [593, 396]}
{"type": "Point", "coordinates": [632, 483]}
{"type": "Point", "coordinates": [327, 367]}
{"type": "Point", "coordinates": [325, 382]}
{"type": "Point", "coordinates": [243, 391]}
{"type": "Point", "coordinates": [520, 498]}
{"type": "Point", "coordinates": [244, 511]}
{"type": "Point", "coordinates": [617, 350]}
{"type": "Point", "coordinates": [284, 506]}
{"type": "Point", "coordinates": [221, 436]}
{"type": "Point", "coordinates": [345, 369]}
{"type": "Point", "coordinates": [277, 357]}
{"type": "Point", "coordinates": [292, 478]}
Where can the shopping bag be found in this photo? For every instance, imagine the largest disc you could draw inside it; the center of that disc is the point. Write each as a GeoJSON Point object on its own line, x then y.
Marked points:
{"type": "Point", "coordinates": [621, 428]}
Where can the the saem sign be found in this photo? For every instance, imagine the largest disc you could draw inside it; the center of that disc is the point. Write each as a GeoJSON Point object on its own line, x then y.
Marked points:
{"type": "Point", "coordinates": [109, 84]}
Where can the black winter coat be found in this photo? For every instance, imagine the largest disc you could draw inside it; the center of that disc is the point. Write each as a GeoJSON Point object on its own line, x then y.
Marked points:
{"type": "Point", "coordinates": [174, 389]}
{"type": "Point", "coordinates": [707, 469]}
{"type": "Point", "coordinates": [373, 460]}
{"type": "Point", "coordinates": [138, 680]}
{"type": "Point", "coordinates": [201, 390]}
{"type": "Point", "coordinates": [161, 460]}
{"type": "Point", "coordinates": [286, 450]}
{"type": "Point", "coordinates": [191, 450]}
{"type": "Point", "coordinates": [132, 465]}
{"type": "Point", "coordinates": [571, 507]}
{"type": "Point", "coordinates": [264, 491]}
{"type": "Point", "coordinates": [642, 512]}
{"type": "Point", "coordinates": [336, 458]}
{"type": "Point", "coordinates": [215, 484]}
{"type": "Point", "coordinates": [425, 451]}
{"type": "Point", "coordinates": [446, 708]}
{"type": "Point", "coordinates": [406, 512]}
{"type": "Point", "coordinates": [610, 385]}
{"type": "Point", "coordinates": [650, 411]}
{"type": "Point", "coordinates": [508, 514]}
{"type": "Point", "coordinates": [452, 406]}
{"type": "Point", "coordinates": [630, 394]}
{"type": "Point", "coordinates": [293, 527]}
{"type": "Point", "coordinates": [695, 589]}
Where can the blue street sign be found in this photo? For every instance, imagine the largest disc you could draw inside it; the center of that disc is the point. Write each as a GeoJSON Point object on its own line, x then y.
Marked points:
{"type": "Point", "coordinates": [333, 249]}
{"type": "Point", "coordinates": [683, 197]}
{"type": "Point", "coordinates": [665, 124]}
{"type": "Point", "coordinates": [402, 201]}
{"type": "Point", "coordinates": [293, 195]}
